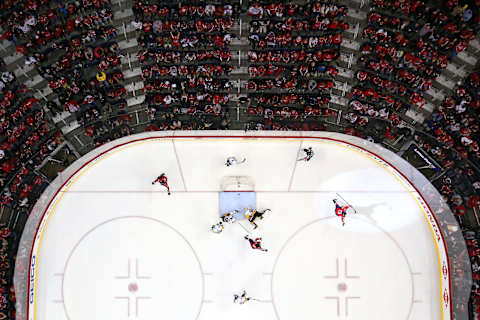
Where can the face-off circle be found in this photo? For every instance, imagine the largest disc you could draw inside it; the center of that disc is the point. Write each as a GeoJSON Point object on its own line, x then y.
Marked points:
{"type": "Point", "coordinates": [132, 267]}
{"type": "Point", "coordinates": [353, 280]}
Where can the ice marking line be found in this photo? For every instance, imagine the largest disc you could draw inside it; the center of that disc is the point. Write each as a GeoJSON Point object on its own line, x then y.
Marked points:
{"type": "Point", "coordinates": [417, 301]}
{"type": "Point", "coordinates": [179, 165]}
{"type": "Point", "coordinates": [294, 166]}
{"type": "Point", "coordinates": [342, 286]}
{"type": "Point", "coordinates": [57, 301]}
{"type": "Point", "coordinates": [416, 273]}
{"type": "Point", "coordinates": [137, 300]}
{"type": "Point", "coordinates": [137, 273]}
{"type": "Point", "coordinates": [338, 303]}
{"type": "Point", "coordinates": [128, 303]}
{"type": "Point", "coordinates": [336, 273]}
{"type": "Point", "coordinates": [346, 304]}
{"type": "Point", "coordinates": [137, 276]}
{"type": "Point", "coordinates": [58, 274]}
{"type": "Point", "coordinates": [346, 272]}
{"type": "Point", "coordinates": [128, 273]}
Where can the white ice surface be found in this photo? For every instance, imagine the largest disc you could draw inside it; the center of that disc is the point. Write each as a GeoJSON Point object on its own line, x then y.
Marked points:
{"type": "Point", "coordinates": [118, 247]}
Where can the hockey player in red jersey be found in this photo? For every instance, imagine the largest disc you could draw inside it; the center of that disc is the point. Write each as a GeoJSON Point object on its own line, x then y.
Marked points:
{"type": "Point", "coordinates": [340, 211]}
{"type": "Point", "coordinates": [255, 244]}
{"type": "Point", "coordinates": [162, 179]}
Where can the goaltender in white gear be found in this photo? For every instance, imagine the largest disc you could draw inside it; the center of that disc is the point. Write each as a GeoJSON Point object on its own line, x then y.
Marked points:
{"type": "Point", "coordinates": [233, 161]}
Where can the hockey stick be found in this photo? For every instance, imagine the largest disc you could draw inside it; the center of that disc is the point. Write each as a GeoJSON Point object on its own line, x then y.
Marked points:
{"type": "Point", "coordinates": [241, 225]}
{"type": "Point", "coordinates": [347, 203]}
{"type": "Point", "coordinates": [259, 300]}
{"type": "Point", "coordinates": [238, 162]}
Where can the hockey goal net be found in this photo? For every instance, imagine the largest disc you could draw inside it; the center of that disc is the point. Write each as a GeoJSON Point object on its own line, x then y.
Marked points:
{"type": "Point", "coordinates": [237, 183]}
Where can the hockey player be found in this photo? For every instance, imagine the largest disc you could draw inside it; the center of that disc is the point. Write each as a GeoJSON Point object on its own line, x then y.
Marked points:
{"type": "Point", "coordinates": [162, 179]}
{"type": "Point", "coordinates": [308, 154]}
{"type": "Point", "coordinates": [241, 299]}
{"type": "Point", "coordinates": [233, 161]}
{"type": "Point", "coordinates": [255, 244]}
{"type": "Point", "coordinates": [217, 228]}
{"type": "Point", "coordinates": [340, 211]}
{"type": "Point", "coordinates": [229, 217]}
{"type": "Point", "coordinates": [251, 215]}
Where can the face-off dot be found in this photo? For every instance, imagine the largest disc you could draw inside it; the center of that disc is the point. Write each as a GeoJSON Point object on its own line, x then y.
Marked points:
{"type": "Point", "coordinates": [342, 287]}
{"type": "Point", "coordinates": [133, 287]}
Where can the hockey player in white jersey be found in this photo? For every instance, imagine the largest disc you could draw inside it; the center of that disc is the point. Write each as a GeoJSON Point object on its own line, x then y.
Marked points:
{"type": "Point", "coordinates": [308, 154]}
{"type": "Point", "coordinates": [217, 228]}
{"type": "Point", "coordinates": [233, 161]}
{"type": "Point", "coordinates": [241, 299]}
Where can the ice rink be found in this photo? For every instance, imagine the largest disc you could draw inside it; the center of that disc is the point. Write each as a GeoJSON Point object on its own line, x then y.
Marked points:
{"type": "Point", "coordinates": [114, 246]}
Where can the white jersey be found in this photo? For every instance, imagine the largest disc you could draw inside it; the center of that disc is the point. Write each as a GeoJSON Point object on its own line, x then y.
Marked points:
{"type": "Point", "coordinates": [240, 299]}
{"type": "Point", "coordinates": [308, 154]}
{"type": "Point", "coordinates": [228, 217]}
{"type": "Point", "coordinates": [233, 161]}
{"type": "Point", "coordinates": [217, 228]}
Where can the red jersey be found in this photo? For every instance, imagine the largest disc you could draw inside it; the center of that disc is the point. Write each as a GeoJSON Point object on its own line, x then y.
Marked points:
{"type": "Point", "coordinates": [162, 180]}
{"type": "Point", "coordinates": [340, 211]}
{"type": "Point", "coordinates": [257, 244]}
